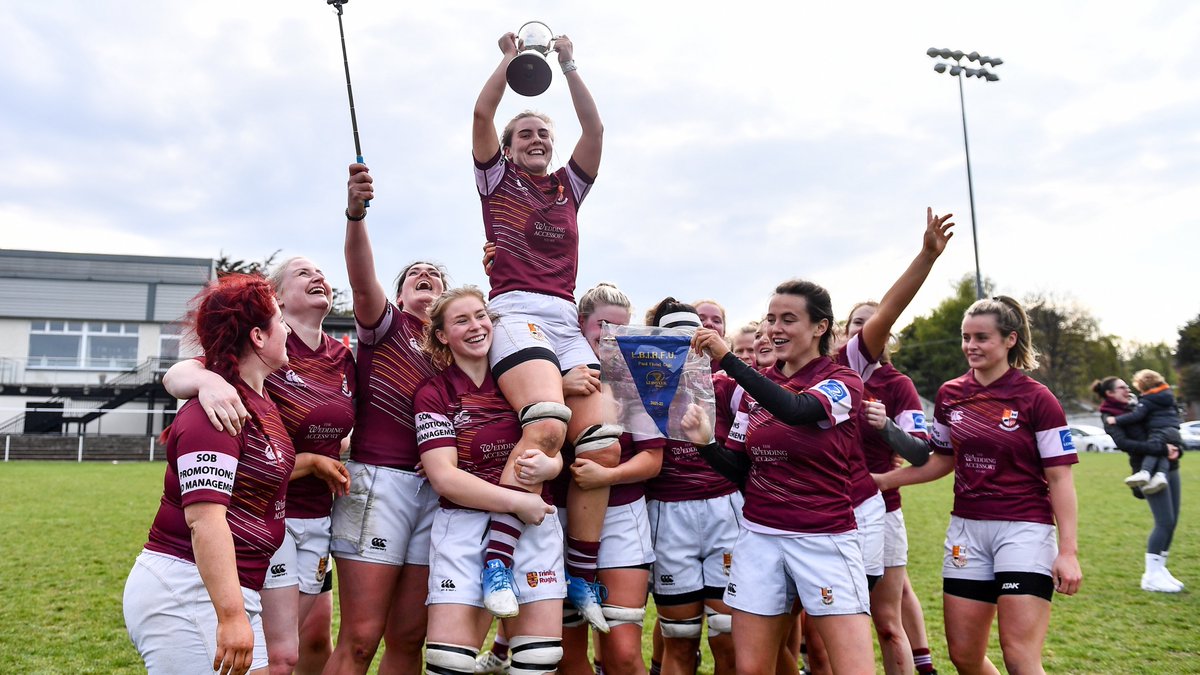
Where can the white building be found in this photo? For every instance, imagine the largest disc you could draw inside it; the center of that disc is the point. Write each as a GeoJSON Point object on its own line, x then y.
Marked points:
{"type": "Point", "coordinates": [84, 332]}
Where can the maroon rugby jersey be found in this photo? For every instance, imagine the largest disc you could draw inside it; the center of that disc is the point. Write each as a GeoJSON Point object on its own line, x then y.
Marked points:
{"type": "Point", "coordinates": [451, 411]}
{"type": "Point", "coordinates": [315, 397]}
{"type": "Point", "coordinates": [798, 473]}
{"type": "Point", "coordinates": [391, 365]}
{"type": "Point", "coordinates": [247, 474]}
{"type": "Point", "coordinates": [728, 398]}
{"type": "Point", "coordinates": [686, 476]}
{"type": "Point", "coordinates": [618, 495]}
{"type": "Point", "coordinates": [896, 391]}
{"type": "Point", "coordinates": [1002, 437]}
{"type": "Point", "coordinates": [532, 221]}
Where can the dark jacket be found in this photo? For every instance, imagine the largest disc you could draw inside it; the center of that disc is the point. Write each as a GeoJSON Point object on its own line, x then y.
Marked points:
{"type": "Point", "coordinates": [1157, 412]}
{"type": "Point", "coordinates": [1132, 438]}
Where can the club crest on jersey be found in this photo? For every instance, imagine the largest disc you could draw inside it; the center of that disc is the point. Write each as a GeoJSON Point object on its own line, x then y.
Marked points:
{"type": "Point", "coordinates": [958, 555]}
{"type": "Point", "coordinates": [293, 379]}
{"type": "Point", "coordinates": [270, 452]}
{"type": "Point", "coordinates": [1008, 421]}
{"type": "Point", "coordinates": [412, 342]}
{"type": "Point", "coordinates": [726, 561]}
{"type": "Point", "coordinates": [346, 386]}
{"type": "Point", "coordinates": [531, 578]}
{"type": "Point", "coordinates": [535, 332]}
{"type": "Point", "coordinates": [827, 595]}
{"type": "Point", "coordinates": [322, 567]}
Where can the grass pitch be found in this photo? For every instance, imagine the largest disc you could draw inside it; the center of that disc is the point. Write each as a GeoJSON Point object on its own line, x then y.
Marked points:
{"type": "Point", "coordinates": [69, 534]}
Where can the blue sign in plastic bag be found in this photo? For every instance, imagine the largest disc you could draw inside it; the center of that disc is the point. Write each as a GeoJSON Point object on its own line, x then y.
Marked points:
{"type": "Point", "coordinates": [652, 376]}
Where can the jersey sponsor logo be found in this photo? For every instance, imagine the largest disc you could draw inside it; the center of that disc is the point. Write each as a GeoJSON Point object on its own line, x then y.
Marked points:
{"type": "Point", "coordinates": [278, 570]}
{"type": "Point", "coordinates": [461, 419]}
{"type": "Point", "coordinates": [379, 543]}
{"type": "Point", "coordinates": [293, 379]}
{"type": "Point", "coordinates": [1008, 421]}
{"type": "Point", "coordinates": [826, 595]}
{"type": "Point", "coordinates": [666, 579]}
{"type": "Point", "coordinates": [958, 555]}
{"type": "Point", "coordinates": [919, 421]}
{"type": "Point", "coordinates": [448, 585]}
{"type": "Point", "coordinates": [1011, 586]}
{"type": "Point", "coordinates": [346, 387]}
{"type": "Point", "coordinates": [431, 426]}
{"type": "Point", "coordinates": [206, 471]}
{"type": "Point", "coordinates": [269, 453]}
{"type": "Point", "coordinates": [412, 342]}
{"type": "Point", "coordinates": [956, 416]}
{"type": "Point", "coordinates": [835, 391]}
{"type": "Point", "coordinates": [731, 588]}
{"type": "Point", "coordinates": [1068, 442]}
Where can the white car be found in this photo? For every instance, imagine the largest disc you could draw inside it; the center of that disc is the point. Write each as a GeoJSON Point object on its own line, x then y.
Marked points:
{"type": "Point", "coordinates": [1191, 435]}
{"type": "Point", "coordinates": [1091, 439]}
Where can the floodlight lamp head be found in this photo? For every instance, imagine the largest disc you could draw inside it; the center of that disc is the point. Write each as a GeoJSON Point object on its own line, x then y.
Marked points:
{"type": "Point", "coordinates": [992, 77]}
{"type": "Point", "coordinates": [971, 72]}
{"type": "Point", "coordinates": [945, 53]}
{"type": "Point", "coordinates": [940, 67]}
{"type": "Point", "coordinates": [955, 70]}
{"type": "Point", "coordinates": [932, 52]}
{"type": "Point", "coordinates": [997, 61]}
{"type": "Point", "coordinates": [973, 56]}
{"type": "Point", "coordinates": [957, 54]}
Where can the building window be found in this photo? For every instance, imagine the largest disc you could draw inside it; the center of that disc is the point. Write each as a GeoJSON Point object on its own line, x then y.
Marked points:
{"type": "Point", "coordinates": [95, 345]}
{"type": "Point", "coordinates": [168, 341]}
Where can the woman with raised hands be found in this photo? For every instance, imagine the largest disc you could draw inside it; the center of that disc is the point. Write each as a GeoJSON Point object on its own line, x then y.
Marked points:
{"type": "Point", "coordinates": [465, 431]}
{"type": "Point", "coordinates": [1005, 436]}
{"type": "Point", "coordinates": [192, 600]}
{"type": "Point", "coordinates": [381, 528]}
{"type": "Point", "coordinates": [529, 212]}
{"type": "Point", "coordinates": [315, 398]}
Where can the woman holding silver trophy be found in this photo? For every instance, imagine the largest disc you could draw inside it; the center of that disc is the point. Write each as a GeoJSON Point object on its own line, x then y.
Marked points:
{"type": "Point", "coordinates": [529, 213]}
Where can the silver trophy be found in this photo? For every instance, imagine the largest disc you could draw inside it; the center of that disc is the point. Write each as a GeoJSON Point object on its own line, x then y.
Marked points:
{"type": "Point", "coordinates": [528, 74]}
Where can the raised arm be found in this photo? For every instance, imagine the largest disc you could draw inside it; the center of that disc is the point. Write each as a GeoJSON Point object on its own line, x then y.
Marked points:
{"type": "Point", "coordinates": [876, 330]}
{"type": "Point", "coordinates": [591, 140]}
{"type": "Point", "coordinates": [441, 466]}
{"type": "Point", "coordinates": [369, 297]}
{"type": "Point", "coordinates": [787, 406]}
{"type": "Point", "coordinates": [1129, 445]}
{"type": "Point", "coordinates": [484, 141]}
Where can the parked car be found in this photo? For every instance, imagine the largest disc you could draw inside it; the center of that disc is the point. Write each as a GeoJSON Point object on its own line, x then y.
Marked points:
{"type": "Point", "coordinates": [1191, 435]}
{"type": "Point", "coordinates": [1088, 438]}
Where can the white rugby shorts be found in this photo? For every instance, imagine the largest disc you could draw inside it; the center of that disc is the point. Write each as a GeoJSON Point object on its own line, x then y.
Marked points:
{"type": "Point", "coordinates": [824, 571]}
{"type": "Point", "coordinates": [303, 557]}
{"type": "Point", "coordinates": [868, 517]}
{"type": "Point", "coordinates": [385, 518]}
{"type": "Point", "coordinates": [171, 618]}
{"type": "Point", "coordinates": [978, 549]}
{"type": "Point", "coordinates": [459, 541]}
{"type": "Point", "coordinates": [528, 320]}
{"type": "Point", "coordinates": [895, 539]}
{"type": "Point", "coordinates": [625, 537]}
{"type": "Point", "coordinates": [693, 542]}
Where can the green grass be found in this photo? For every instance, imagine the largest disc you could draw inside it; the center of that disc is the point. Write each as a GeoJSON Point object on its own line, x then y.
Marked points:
{"type": "Point", "coordinates": [69, 534]}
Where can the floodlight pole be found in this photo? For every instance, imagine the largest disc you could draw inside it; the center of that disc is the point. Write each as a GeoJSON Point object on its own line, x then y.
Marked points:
{"type": "Point", "coordinates": [957, 70]}
{"type": "Point", "coordinates": [962, 106]}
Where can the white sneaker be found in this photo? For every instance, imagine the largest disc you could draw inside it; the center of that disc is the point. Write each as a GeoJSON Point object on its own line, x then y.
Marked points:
{"type": "Point", "coordinates": [1138, 479]}
{"type": "Point", "coordinates": [1156, 484]}
{"type": "Point", "coordinates": [1166, 573]}
{"type": "Point", "coordinates": [488, 662]}
{"type": "Point", "coordinates": [1157, 582]}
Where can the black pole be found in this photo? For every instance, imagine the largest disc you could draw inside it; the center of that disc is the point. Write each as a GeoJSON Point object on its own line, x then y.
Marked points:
{"type": "Point", "coordinates": [970, 190]}
{"type": "Point", "coordinates": [349, 88]}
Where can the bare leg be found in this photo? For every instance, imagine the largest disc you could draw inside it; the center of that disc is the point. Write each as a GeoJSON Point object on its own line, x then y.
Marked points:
{"type": "Point", "coordinates": [968, 624]}
{"type": "Point", "coordinates": [889, 627]}
{"type": "Point", "coordinates": [316, 616]}
{"type": "Point", "coordinates": [847, 640]}
{"type": "Point", "coordinates": [1024, 620]}
{"type": "Point", "coordinates": [406, 623]}
{"type": "Point", "coordinates": [280, 618]}
{"type": "Point", "coordinates": [759, 640]}
{"type": "Point", "coordinates": [365, 592]}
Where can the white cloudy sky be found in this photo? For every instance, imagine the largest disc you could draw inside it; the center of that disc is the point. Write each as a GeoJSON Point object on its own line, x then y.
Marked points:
{"type": "Point", "coordinates": [745, 142]}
